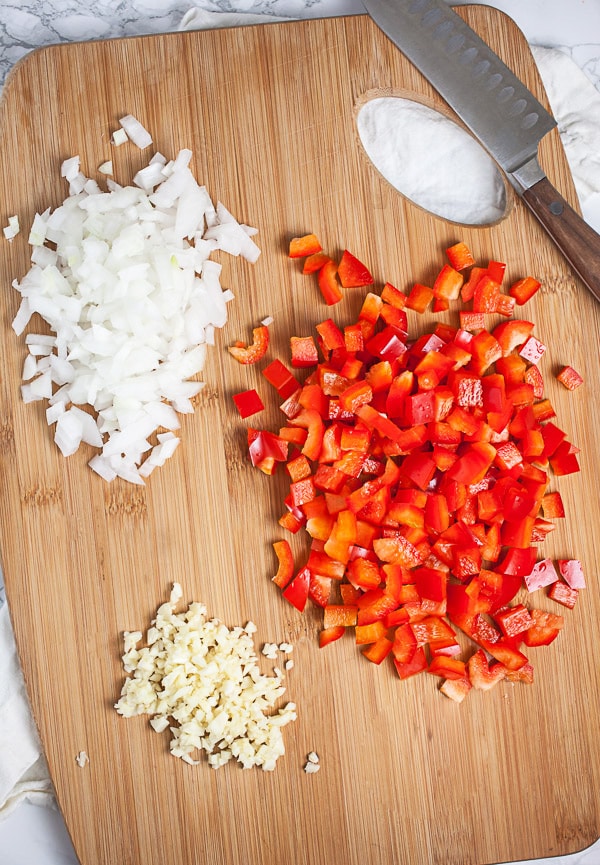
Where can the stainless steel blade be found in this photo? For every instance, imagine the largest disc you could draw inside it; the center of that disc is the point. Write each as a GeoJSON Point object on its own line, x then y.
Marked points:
{"type": "Point", "coordinates": [493, 103]}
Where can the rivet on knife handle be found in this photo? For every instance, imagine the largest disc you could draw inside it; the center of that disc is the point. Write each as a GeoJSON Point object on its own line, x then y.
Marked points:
{"type": "Point", "coordinates": [498, 109]}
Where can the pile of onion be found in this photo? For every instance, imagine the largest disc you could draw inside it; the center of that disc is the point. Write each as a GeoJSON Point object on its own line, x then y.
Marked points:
{"type": "Point", "coordinates": [125, 280]}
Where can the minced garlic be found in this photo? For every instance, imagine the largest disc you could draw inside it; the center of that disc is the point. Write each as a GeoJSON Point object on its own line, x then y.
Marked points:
{"type": "Point", "coordinates": [201, 680]}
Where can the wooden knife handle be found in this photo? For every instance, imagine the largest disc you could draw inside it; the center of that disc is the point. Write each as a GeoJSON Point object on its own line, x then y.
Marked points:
{"type": "Point", "coordinates": [577, 240]}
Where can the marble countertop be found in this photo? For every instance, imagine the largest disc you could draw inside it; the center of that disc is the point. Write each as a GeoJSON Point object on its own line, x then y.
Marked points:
{"type": "Point", "coordinates": [37, 835]}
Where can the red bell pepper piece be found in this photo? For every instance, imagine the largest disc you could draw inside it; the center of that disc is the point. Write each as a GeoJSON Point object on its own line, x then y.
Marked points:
{"type": "Point", "coordinates": [512, 334]}
{"type": "Point", "coordinates": [281, 378]}
{"type": "Point", "coordinates": [460, 256]}
{"type": "Point", "coordinates": [545, 628]}
{"type": "Point", "coordinates": [456, 689]}
{"type": "Point", "coordinates": [352, 272]}
{"type": "Point", "coordinates": [563, 594]}
{"type": "Point", "coordinates": [248, 402]}
{"type": "Point", "coordinates": [329, 285]}
{"type": "Point", "coordinates": [564, 460]}
{"type": "Point", "coordinates": [572, 573]}
{"type": "Point", "coordinates": [300, 247]}
{"type": "Point", "coordinates": [285, 557]}
{"type": "Point", "coordinates": [448, 668]}
{"type": "Point", "coordinates": [514, 620]}
{"type": "Point", "coordinates": [419, 297]}
{"type": "Point", "coordinates": [329, 635]}
{"type": "Point", "coordinates": [312, 421]}
{"type": "Point", "coordinates": [468, 289]}
{"type": "Point", "coordinates": [482, 676]}
{"type": "Point", "coordinates": [486, 294]}
{"type": "Point", "coordinates": [523, 289]}
{"type": "Point", "coordinates": [448, 283]}
{"type": "Point", "coordinates": [314, 262]}
{"type": "Point", "coordinates": [569, 378]}
{"type": "Point", "coordinates": [393, 296]}
{"type": "Point", "coordinates": [248, 354]}
{"type": "Point", "coordinates": [331, 335]}
{"type": "Point", "coordinates": [304, 351]}
{"type": "Point", "coordinates": [296, 591]}
{"type": "Point", "coordinates": [379, 650]}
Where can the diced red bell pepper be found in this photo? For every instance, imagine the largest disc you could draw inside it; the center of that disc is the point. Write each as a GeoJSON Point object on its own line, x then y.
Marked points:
{"type": "Point", "coordinates": [448, 283]}
{"type": "Point", "coordinates": [545, 628]}
{"type": "Point", "coordinates": [329, 635]}
{"type": "Point", "coordinates": [419, 297]}
{"type": "Point", "coordinates": [248, 402]}
{"type": "Point", "coordinates": [319, 590]}
{"type": "Point", "coordinates": [460, 256]}
{"type": "Point", "coordinates": [514, 620]}
{"type": "Point", "coordinates": [300, 247]}
{"type": "Point", "coordinates": [512, 334]}
{"type": "Point", "coordinates": [281, 378]}
{"type": "Point", "coordinates": [456, 689]}
{"type": "Point", "coordinates": [352, 272]}
{"type": "Point", "coordinates": [340, 614]}
{"type": "Point", "coordinates": [248, 354]}
{"type": "Point", "coordinates": [495, 270]}
{"type": "Point", "coordinates": [482, 676]}
{"type": "Point", "coordinates": [296, 591]}
{"type": "Point", "coordinates": [552, 505]}
{"type": "Point", "coordinates": [266, 449]}
{"type": "Point", "coordinates": [486, 294]}
{"type": "Point", "coordinates": [523, 289]}
{"type": "Point", "coordinates": [415, 665]}
{"type": "Point", "coordinates": [572, 573]}
{"type": "Point", "coordinates": [468, 289]}
{"type": "Point", "coordinates": [314, 262]}
{"type": "Point", "coordinates": [448, 668]}
{"type": "Point", "coordinates": [312, 421]}
{"type": "Point", "coordinates": [304, 351]}
{"type": "Point", "coordinates": [473, 464]}
{"type": "Point", "coordinates": [331, 335]}
{"type": "Point", "coordinates": [379, 650]}
{"type": "Point", "coordinates": [569, 378]}
{"type": "Point", "coordinates": [328, 282]}
{"type": "Point", "coordinates": [563, 594]}
{"type": "Point", "coordinates": [542, 574]}
{"type": "Point", "coordinates": [532, 350]}
{"type": "Point", "coordinates": [518, 562]}
{"type": "Point", "coordinates": [285, 557]}
{"type": "Point", "coordinates": [390, 294]}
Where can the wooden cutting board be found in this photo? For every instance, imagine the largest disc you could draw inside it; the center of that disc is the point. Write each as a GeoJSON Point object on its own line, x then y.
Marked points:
{"type": "Point", "coordinates": [407, 776]}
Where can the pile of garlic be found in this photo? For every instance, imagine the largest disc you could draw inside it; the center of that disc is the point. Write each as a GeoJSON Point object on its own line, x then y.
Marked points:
{"type": "Point", "coordinates": [201, 680]}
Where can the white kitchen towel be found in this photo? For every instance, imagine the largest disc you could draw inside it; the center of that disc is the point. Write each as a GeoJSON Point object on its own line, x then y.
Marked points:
{"type": "Point", "coordinates": [23, 770]}
{"type": "Point", "coordinates": [576, 105]}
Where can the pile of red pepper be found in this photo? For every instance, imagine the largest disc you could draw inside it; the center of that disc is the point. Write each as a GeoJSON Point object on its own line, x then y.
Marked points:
{"type": "Point", "coordinates": [420, 469]}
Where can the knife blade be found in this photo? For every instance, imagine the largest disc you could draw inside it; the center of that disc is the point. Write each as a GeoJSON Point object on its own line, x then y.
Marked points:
{"type": "Point", "coordinates": [497, 108]}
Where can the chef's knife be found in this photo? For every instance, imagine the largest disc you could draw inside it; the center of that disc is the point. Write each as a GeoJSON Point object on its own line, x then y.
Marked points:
{"type": "Point", "coordinates": [498, 109]}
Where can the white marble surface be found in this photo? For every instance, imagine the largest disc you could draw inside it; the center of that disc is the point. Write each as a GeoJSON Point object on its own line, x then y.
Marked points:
{"type": "Point", "coordinates": [37, 836]}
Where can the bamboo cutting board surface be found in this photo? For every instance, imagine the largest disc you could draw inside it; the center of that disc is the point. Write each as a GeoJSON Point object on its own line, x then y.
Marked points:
{"type": "Point", "coordinates": [407, 776]}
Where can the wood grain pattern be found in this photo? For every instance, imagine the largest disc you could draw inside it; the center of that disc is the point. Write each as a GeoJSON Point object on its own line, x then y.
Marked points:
{"type": "Point", "coordinates": [407, 776]}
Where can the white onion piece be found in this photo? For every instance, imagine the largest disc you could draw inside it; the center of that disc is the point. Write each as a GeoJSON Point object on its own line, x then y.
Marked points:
{"type": "Point", "coordinates": [125, 281]}
{"type": "Point", "coordinates": [135, 131]}
{"type": "Point", "coordinates": [12, 229]}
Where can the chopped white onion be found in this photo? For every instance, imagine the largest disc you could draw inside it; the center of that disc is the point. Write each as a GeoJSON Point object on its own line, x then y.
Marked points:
{"type": "Point", "coordinates": [12, 229]}
{"type": "Point", "coordinates": [125, 281]}
{"type": "Point", "coordinates": [119, 137]}
{"type": "Point", "coordinates": [135, 131]}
